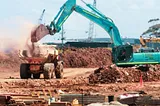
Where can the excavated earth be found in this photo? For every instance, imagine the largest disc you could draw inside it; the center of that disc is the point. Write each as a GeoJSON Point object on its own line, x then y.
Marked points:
{"type": "Point", "coordinates": [105, 75]}
{"type": "Point", "coordinates": [87, 58]}
{"type": "Point", "coordinates": [87, 70]}
{"type": "Point", "coordinates": [9, 61]}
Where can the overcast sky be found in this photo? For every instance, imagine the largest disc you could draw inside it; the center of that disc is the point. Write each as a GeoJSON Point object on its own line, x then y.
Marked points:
{"type": "Point", "coordinates": [130, 16]}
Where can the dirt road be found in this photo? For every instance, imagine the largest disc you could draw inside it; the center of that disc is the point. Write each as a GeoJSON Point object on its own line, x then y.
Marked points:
{"type": "Point", "coordinates": [68, 73]}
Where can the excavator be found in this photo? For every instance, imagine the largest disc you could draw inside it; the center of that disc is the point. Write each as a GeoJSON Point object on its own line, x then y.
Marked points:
{"type": "Point", "coordinates": [122, 54]}
{"type": "Point", "coordinates": [144, 41]}
{"type": "Point", "coordinates": [152, 36]}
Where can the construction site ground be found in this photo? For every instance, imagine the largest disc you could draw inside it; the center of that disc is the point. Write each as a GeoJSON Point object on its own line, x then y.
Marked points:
{"type": "Point", "coordinates": [76, 79]}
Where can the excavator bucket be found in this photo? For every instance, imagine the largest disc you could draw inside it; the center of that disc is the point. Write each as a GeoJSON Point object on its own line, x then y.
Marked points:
{"type": "Point", "coordinates": [38, 33]}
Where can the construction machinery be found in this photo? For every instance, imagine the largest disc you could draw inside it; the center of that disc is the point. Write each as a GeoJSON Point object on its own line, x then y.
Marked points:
{"type": "Point", "coordinates": [122, 54]}
{"type": "Point", "coordinates": [45, 60]}
{"type": "Point", "coordinates": [151, 37]}
{"type": "Point", "coordinates": [40, 59]}
{"type": "Point", "coordinates": [152, 40]}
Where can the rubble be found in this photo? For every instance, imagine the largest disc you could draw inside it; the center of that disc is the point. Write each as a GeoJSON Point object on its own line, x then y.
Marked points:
{"type": "Point", "coordinates": [108, 74]}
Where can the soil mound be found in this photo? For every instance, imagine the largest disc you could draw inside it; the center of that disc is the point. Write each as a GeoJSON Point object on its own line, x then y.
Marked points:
{"type": "Point", "coordinates": [105, 75]}
{"type": "Point", "coordinates": [73, 58]}
{"type": "Point", "coordinates": [86, 57]}
{"type": "Point", "coordinates": [10, 61]}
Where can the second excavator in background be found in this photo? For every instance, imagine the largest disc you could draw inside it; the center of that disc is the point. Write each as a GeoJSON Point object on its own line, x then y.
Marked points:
{"type": "Point", "coordinates": [150, 39]}
{"type": "Point", "coordinates": [122, 54]}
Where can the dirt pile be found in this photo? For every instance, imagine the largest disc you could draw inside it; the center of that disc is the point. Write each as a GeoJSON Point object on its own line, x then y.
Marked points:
{"type": "Point", "coordinates": [9, 61]}
{"type": "Point", "coordinates": [110, 74]}
{"type": "Point", "coordinates": [73, 58]}
{"type": "Point", "coordinates": [86, 57]}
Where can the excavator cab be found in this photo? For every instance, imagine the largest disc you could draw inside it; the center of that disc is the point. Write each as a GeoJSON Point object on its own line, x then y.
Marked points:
{"type": "Point", "coordinates": [122, 53]}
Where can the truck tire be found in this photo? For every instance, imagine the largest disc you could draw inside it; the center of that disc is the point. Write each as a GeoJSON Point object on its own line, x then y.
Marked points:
{"type": "Point", "coordinates": [24, 71]}
{"type": "Point", "coordinates": [48, 70]}
{"type": "Point", "coordinates": [36, 76]}
{"type": "Point", "coordinates": [59, 70]}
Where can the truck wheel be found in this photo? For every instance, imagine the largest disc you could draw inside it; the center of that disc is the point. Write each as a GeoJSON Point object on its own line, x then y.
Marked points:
{"type": "Point", "coordinates": [24, 71]}
{"type": "Point", "coordinates": [36, 76]}
{"type": "Point", "coordinates": [59, 71]}
{"type": "Point", "coordinates": [48, 70]}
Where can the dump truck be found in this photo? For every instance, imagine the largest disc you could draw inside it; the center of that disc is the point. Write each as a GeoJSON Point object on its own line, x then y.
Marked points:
{"type": "Point", "coordinates": [44, 59]}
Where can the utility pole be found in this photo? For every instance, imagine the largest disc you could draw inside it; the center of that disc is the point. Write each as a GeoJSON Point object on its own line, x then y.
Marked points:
{"type": "Point", "coordinates": [91, 26]}
{"type": "Point", "coordinates": [62, 36]}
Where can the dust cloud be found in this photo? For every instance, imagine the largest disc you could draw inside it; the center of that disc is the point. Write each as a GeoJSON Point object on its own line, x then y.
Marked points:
{"type": "Point", "coordinates": [16, 38]}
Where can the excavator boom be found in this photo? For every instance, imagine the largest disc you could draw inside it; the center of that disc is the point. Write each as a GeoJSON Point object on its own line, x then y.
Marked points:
{"type": "Point", "coordinates": [66, 10]}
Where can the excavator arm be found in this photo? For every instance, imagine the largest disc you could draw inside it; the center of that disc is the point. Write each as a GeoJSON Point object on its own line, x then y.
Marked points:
{"type": "Point", "coordinates": [100, 19]}
{"type": "Point", "coordinates": [106, 23]}
{"type": "Point", "coordinates": [62, 16]}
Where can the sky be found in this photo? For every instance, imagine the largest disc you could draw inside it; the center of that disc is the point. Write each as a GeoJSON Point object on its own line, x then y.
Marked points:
{"type": "Point", "coordinates": [18, 17]}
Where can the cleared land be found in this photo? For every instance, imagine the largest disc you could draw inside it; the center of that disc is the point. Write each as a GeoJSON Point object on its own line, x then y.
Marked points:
{"type": "Point", "coordinates": [80, 64]}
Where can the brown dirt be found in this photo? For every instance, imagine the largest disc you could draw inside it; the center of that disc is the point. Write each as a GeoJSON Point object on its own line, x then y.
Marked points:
{"type": "Point", "coordinates": [76, 85]}
{"type": "Point", "coordinates": [76, 79]}
{"type": "Point", "coordinates": [73, 58]}
{"type": "Point", "coordinates": [9, 60]}
{"type": "Point", "coordinates": [110, 74]}
{"type": "Point", "coordinates": [86, 57]}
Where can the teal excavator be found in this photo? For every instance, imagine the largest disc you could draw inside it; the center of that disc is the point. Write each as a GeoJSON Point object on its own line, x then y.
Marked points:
{"type": "Point", "coordinates": [122, 54]}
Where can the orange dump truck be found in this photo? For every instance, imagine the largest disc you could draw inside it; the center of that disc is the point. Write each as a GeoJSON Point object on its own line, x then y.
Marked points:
{"type": "Point", "coordinates": [44, 59]}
